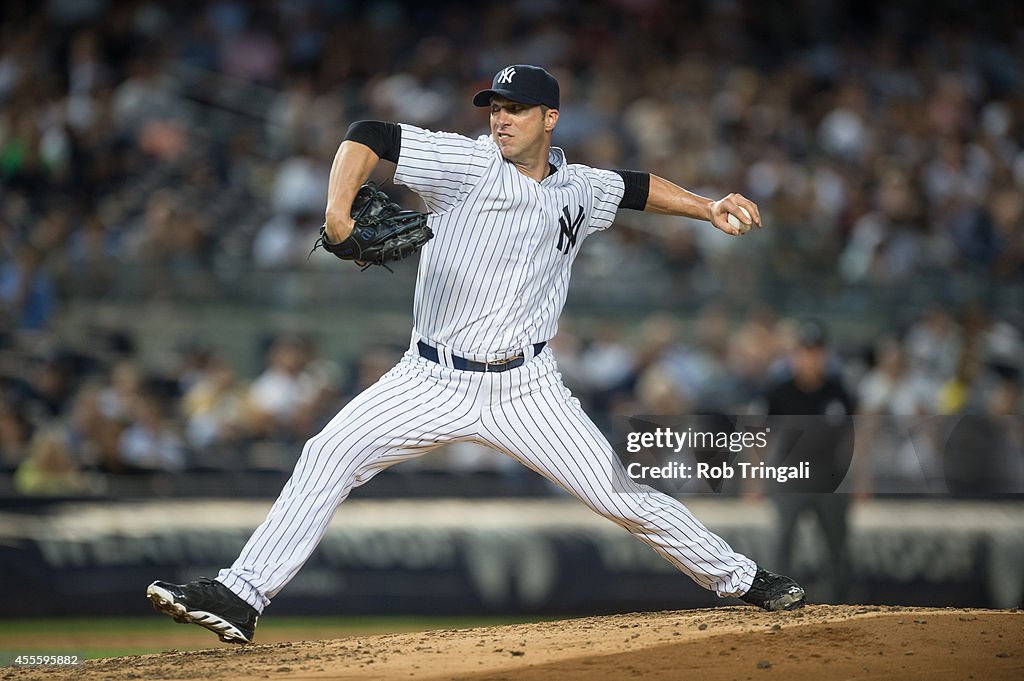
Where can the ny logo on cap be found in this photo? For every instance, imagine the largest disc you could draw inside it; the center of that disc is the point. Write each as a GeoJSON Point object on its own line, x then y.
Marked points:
{"type": "Point", "coordinates": [506, 74]}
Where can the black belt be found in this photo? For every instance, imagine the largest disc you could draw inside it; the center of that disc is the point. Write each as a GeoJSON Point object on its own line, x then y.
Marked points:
{"type": "Point", "coordinates": [463, 364]}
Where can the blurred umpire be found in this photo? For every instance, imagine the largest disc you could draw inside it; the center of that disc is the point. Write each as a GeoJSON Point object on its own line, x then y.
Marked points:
{"type": "Point", "coordinates": [810, 410]}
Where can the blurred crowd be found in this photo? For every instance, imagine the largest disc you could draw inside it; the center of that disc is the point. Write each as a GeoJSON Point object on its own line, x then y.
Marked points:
{"type": "Point", "coordinates": [70, 419]}
{"type": "Point", "coordinates": [152, 147]}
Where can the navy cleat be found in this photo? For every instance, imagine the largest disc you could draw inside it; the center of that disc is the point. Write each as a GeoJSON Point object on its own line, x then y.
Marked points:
{"type": "Point", "coordinates": [774, 592]}
{"type": "Point", "coordinates": [209, 604]}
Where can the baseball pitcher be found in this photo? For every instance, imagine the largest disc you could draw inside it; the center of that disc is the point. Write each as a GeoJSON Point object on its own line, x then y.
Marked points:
{"type": "Point", "coordinates": [507, 216]}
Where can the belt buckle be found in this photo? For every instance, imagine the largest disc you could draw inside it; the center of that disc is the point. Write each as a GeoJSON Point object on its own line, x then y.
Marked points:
{"type": "Point", "coordinates": [502, 362]}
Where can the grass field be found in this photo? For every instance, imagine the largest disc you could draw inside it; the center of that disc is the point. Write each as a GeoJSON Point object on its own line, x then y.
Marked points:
{"type": "Point", "coordinates": [117, 636]}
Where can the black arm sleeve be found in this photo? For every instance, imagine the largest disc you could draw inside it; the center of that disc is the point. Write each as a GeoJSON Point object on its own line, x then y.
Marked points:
{"type": "Point", "coordinates": [384, 138]}
{"type": "Point", "coordinates": [638, 186]}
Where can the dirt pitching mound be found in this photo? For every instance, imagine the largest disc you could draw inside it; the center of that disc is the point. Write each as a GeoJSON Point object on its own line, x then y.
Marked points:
{"type": "Point", "coordinates": [817, 642]}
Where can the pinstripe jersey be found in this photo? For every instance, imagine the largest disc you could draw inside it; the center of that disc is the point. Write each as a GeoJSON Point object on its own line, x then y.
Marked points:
{"type": "Point", "coordinates": [494, 278]}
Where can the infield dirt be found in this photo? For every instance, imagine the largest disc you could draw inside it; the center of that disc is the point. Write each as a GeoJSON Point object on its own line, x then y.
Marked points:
{"type": "Point", "coordinates": [816, 642]}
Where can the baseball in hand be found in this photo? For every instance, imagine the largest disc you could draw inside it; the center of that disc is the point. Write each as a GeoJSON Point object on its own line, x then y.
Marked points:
{"type": "Point", "coordinates": [738, 224]}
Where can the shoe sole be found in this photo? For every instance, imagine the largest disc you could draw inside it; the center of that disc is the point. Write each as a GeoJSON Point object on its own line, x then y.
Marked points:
{"type": "Point", "coordinates": [163, 601]}
{"type": "Point", "coordinates": [787, 602]}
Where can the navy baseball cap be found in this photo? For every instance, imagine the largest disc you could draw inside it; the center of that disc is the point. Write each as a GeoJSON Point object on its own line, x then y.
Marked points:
{"type": "Point", "coordinates": [522, 83]}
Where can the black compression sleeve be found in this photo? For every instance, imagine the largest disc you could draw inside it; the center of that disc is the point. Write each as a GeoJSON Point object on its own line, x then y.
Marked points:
{"type": "Point", "coordinates": [384, 138]}
{"type": "Point", "coordinates": [638, 187]}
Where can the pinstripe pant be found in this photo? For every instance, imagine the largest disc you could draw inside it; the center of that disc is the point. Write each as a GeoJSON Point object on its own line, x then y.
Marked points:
{"type": "Point", "coordinates": [526, 413]}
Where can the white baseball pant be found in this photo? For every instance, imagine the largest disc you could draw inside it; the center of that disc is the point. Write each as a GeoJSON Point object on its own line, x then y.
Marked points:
{"type": "Point", "coordinates": [526, 413]}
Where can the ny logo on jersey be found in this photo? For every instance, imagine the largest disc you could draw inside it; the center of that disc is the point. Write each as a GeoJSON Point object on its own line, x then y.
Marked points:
{"type": "Point", "coordinates": [570, 228]}
{"type": "Point", "coordinates": [506, 74]}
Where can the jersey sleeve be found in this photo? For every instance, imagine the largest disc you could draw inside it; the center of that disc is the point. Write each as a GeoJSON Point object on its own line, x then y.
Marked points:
{"type": "Point", "coordinates": [441, 167]}
{"type": "Point", "coordinates": [608, 189]}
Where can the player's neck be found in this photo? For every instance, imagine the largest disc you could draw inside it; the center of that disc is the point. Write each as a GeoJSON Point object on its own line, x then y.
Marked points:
{"type": "Point", "coordinates": [534, 164]}
{"type": "Point", "coordinates": [535, 169]}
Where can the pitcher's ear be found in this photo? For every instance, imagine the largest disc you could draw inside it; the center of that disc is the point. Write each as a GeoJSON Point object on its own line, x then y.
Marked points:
{"type": "Point", "coordinates": [550, 120]}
